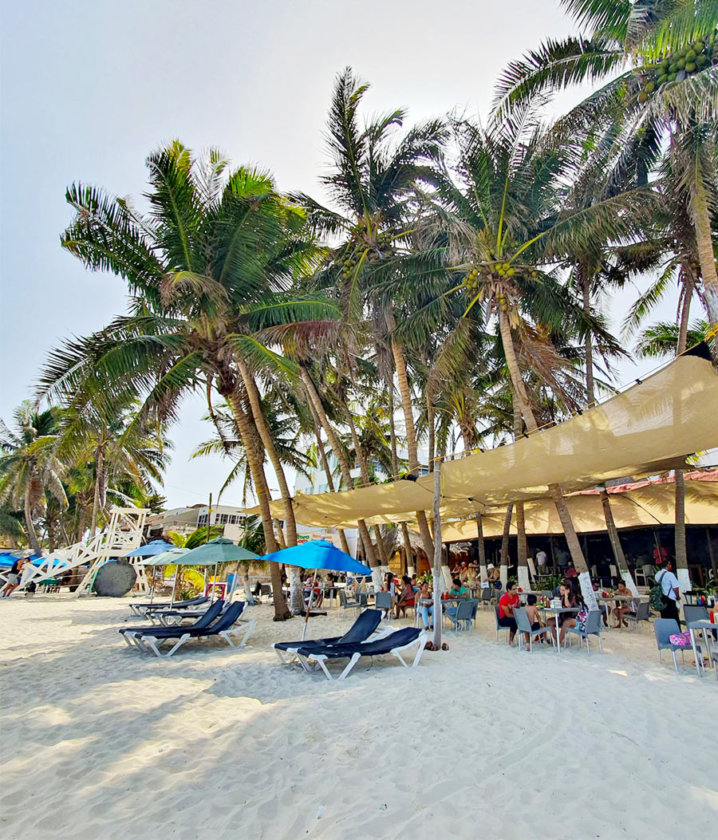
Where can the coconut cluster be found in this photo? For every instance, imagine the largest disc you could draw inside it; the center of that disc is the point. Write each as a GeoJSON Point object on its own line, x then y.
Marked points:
{"type": "Point", "coordinates": [489, 272]}
{"type": "Point", "coordinates": [677, 66]}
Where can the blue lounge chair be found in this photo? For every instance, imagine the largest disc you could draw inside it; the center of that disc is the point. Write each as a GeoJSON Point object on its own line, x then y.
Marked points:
{"type": "Point", "coordinates": [207, 617]}
{"type": "Point", "coordinates": [223, 626]}
{"type": "Point", "coordinates": [394, 643]}
{"type": "Point", "coordinates": [143, 609]}
{"type": "Point", "coordinates": [365, 624]}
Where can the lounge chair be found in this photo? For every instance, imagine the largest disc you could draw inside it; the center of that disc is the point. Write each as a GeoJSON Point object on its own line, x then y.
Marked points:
{"type": "Point", "coordinates": [592, 627]}
{"type": "Point", "coordinates": [523, 625]}
{"type": "Point", "coordinates": [394, 644]}
{"type": "Point", "coordinates": [207, 617]}
{"type": "Point", "coordinates": [223, 626]}
{"type": "Point", "coordinates": [365, 624]}
{"type": "Point", "coordinates": [143, 609]}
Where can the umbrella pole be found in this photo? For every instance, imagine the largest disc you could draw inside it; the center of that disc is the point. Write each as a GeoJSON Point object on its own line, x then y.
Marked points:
{"type": "Point", "coordinates": [309, 605]}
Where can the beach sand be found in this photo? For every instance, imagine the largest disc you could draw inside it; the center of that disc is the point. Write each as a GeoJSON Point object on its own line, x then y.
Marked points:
{"type": "Point", "coordinates": [482, 741]}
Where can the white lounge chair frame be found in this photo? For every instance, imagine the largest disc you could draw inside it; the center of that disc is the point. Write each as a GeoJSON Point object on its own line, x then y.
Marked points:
{"type": "Point", "coordinates": [151, 644]}
{"type": "Point", "coordinates": [321, 660]}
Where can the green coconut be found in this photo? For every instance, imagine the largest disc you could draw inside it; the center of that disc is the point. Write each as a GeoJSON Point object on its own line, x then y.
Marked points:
{"type": "Point", "coordinates": [702, 60]}
{"type": "Point", "coordinates": [650, 87]}
{"type": "Point", "coordinates": [691, 67]}
{"type": "Point", "coordinates": [691, 55]}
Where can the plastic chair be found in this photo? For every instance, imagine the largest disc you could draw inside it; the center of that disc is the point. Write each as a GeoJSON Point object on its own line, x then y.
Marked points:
{"type": "Point", "coordinates": [664, 628]}
{"type": "Point", "coordinates": [465, 613]}
{"type": "Point", "coordinates": [642, 613]}
{"type": "Point", "coordinates": [695, 613]}
{"type": "Point", "coordinates": [592, 627]}
{"type": "Point", "coordinates": [487, 596]}
{"type": "Point", "coordinates": [499, 627]}
{"type": "Point", "coordinates": [383, 601]}
{"type": "Point", "coordinates": [523, 625]}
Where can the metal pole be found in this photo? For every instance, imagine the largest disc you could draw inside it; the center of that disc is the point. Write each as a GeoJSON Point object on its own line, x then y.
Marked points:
{"type": "Point", "coordinates": [438, 617]}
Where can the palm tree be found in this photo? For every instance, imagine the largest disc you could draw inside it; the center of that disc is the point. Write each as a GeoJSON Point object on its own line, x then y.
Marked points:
{"type": "Point", "coordinates": [208, 267]}
{"type": "Point", "coordinates": [660, 62]}
{"type": "Point", "coordinates": [372, 184]}
{"type": "Point", "coordinates": [500, 227]}
{"type": "Point", "coordinates": [126, 452]}
{"type": "Point", "coordinates": [29, 467]}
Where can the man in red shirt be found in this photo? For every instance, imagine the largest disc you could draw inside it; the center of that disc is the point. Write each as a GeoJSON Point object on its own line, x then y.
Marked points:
{"type": "Point", "coordinates": [507, 604]}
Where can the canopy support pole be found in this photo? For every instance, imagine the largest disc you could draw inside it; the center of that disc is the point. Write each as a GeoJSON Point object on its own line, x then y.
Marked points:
{"type": "Point", "coordinates": [438, 615]}
{"type": "Point", "coordinates": [483, 572]}
{"type": "Point", "coordinates": [615, 539]}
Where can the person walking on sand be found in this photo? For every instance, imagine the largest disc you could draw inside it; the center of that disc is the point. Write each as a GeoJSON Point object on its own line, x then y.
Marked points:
{"type": "Point", "coordinates": [13, 579]}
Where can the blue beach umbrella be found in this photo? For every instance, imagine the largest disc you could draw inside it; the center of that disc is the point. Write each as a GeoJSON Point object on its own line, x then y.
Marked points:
{"type": "Point", "coordinates": [317, 554]}
{"type": "Point", "coordinates": [152, 548]}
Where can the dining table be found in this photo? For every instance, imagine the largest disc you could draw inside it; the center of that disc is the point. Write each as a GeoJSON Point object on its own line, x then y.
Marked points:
{"type": "Point", "coordinates": [707, 628]}
{"type": "Point", "coordinates": [557, 611]}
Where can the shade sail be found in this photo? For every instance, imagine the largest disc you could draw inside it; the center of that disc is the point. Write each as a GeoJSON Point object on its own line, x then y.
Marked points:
{"type": "Point", "coordinates": [318, 554]}
{"type": "Point", "coordinates": [647, 506]}
{"type": "Point", "coordinates": [216, 551]}
{"type": "Point", "coordinates": [650, 427]}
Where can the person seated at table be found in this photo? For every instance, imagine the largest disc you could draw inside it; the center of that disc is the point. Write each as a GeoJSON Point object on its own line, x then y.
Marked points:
{"type": "Point", "coordinates": [533, 615]}
{"type": "Point", "coordinates": [571, 571]}
{"type": "Point", "coordinates": [463, 573]}
{"type": "Point", "coordinates": [493, 573]}
{"type": "Point", "coordinates": [621, 608]}
{"type": "Point", "coordinates": [507, 604]}
{"type": "Point", "coordinates": [389, 585]}
{"type": "Point", "coordinates": [458, 591]}
{"type": "Point", "coordinates": [426, 602]}
{"type": "Point", "coordinates": [569, 600]}
{"type": "Point", "coordinates": [406, 597]}
{"type": "Point", "coordinates": [602, 607]}
{"type": "Point", "coordinates": [471, 578]}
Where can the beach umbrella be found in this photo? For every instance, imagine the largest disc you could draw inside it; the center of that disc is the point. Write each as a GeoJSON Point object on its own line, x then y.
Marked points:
{"type": "Point", "coordinates": [317, 554]}
{"type": "Point", "coordinates": [219, 550]}
{"type": "Point", "coordinates": [166, 558]}
{"type": "Point", "coordinates": [151, 549]}
{"type": "Point", "coordinates": [216, 551]}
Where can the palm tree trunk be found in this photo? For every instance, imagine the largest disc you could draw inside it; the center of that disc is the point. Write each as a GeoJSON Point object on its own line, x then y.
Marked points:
{"type": "Point", "coordinates": [244, 428]}
{"type": "Point", "coordinates": [296, 596]}
{"type": "Point", "coordinates": [704, 243]}
{"type": "Point", "coordinates": [430, 421]}
{"type": "Point", "coordinates": [271, 450]}
{"type": "Point", "coordinates": [341, 457]}
{"type": "Point", "coordinates": [482, 546]}
{"type": "Point", "coordinates": [99, 466]}
{"type": "Point", "coordinates": [31, 534]}
{"type": "Point", "coordinates": [521, 542]}
{"type": "Point", "coordinates": [327, 470]}
{"type": "Point", "coordinates": [403, 380]}
{"type": "Point", "coordinates": [504, 556]}
{"type": "Point", "coordinates": [586, 293]}
{"type": "Point", "coordinates": [615, 539]}
{"type": "Point", "coordinates": [519, 392]}
{"type": "Point", "coordinates": [680, 489]}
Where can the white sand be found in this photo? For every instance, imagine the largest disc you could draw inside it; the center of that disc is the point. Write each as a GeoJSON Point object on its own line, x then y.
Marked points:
{"type": "Point", "coordinates": [97, 742]}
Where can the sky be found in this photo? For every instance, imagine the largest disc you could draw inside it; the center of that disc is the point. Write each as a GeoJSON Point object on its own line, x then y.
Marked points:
{"type": "Point", "coordinates": [87, 90]}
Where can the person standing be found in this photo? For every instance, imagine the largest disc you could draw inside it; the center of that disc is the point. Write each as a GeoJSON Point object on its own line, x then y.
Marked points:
{"type": "Point", "coordinates": [671, 592]}
{"type": "Point", "coordinates": [541, 559]}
